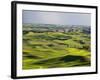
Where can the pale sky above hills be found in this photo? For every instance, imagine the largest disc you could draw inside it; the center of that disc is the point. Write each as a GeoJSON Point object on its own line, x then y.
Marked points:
{"type": "Point", "coordinates": [63, 18]}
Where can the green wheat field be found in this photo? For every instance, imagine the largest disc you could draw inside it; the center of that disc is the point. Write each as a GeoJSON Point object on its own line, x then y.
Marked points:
{"type": "Point", "coordinates": [55, 46]}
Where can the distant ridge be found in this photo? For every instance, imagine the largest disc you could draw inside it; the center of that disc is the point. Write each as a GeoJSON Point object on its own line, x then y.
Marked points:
{"type": "Point", "coordinates": [57, 25]}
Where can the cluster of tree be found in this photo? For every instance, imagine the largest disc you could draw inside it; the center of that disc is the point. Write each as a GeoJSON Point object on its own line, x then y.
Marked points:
{"type": "Point", "coordinates": [56, 28]}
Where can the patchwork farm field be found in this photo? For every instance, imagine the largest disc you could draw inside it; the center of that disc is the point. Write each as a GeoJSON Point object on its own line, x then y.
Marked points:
{"type": "Point", "coordinates": [55, 49]}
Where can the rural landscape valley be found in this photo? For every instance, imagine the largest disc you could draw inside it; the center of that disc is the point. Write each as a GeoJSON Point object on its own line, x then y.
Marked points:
{"type": "Point", "coordinates": [56, 46]}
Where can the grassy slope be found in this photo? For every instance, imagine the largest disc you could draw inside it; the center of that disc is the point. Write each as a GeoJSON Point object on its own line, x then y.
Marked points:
{"type": "Point", "coordinates": [54, 49]}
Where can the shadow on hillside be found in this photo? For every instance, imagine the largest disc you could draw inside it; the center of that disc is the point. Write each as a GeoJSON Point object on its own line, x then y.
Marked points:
{"type": "Point", "coordinates": [64, 59]}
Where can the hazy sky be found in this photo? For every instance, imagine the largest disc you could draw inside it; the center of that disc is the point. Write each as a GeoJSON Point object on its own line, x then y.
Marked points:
{"type": "Point", "coordinates": [63, 18]}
